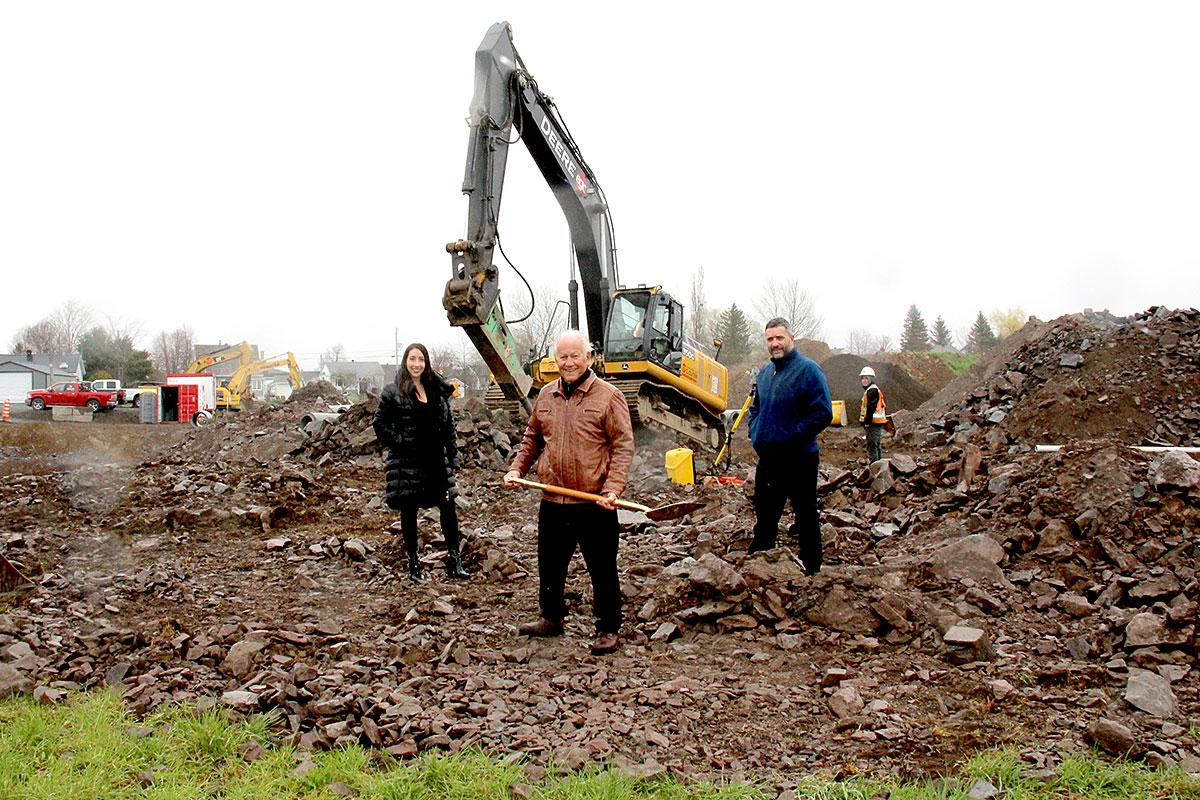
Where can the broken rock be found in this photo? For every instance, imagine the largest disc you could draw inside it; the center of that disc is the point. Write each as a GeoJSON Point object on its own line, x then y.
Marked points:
{"type": "Point", "coordinates": [1150, 692]}
{"type": "Point", "coordinates": [1175, 470]}
{"type": "Point", "coordinates": [240, 658]}
{"type": "Point", "coordinates": [1113, 737]}
{"type": "Point", "coordinates": [13, 681]}
{"type": "Point", "coordinates": [965, 644]}
{"type": "Point", "coordinates": [975, 557]}
{"type": "Point", "coordinates": [846, 702]}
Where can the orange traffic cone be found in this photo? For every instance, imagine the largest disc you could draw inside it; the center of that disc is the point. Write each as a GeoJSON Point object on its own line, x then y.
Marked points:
{"type": "Point", "coordinates": [7, 410]}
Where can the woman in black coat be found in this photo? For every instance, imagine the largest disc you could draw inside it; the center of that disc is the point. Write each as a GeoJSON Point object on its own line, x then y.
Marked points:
{"type": "Point", "coordinates": [415, 424]}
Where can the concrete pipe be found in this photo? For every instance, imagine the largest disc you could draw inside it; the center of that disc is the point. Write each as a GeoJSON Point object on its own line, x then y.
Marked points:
{"type": "Point", "coordinates": [314, 422]}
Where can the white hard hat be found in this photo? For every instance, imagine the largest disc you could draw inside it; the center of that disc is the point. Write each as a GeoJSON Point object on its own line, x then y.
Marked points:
{"type": "Point", "coordinates": [867, 372]}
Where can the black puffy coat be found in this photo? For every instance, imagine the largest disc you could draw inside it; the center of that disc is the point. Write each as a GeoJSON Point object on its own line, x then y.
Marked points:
{"type": "Point", "coordinates": [419, 460]}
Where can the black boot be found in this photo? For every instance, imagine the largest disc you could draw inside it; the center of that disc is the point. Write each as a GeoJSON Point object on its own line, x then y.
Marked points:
{"type": "Point", "coordinates": [449, 516]}
{"type": "Point", "coordinates": [415, 572]}
{"type": "Point", "coordinates": [454, 565]}
{"type": "Point", "coordinates": [414, 562]}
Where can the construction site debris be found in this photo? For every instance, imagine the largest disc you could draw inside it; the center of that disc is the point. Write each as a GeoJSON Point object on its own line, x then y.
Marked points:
{"type": "Point", "coordinates": [974, 592]}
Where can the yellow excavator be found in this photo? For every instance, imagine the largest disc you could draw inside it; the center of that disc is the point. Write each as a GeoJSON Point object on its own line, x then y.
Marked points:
{"type": "Point", "coordinates": [229, 396]}
{"type": "Point", "coordinates": [243, 352]}
{"type": "Point", "coordinates": [666, 377]}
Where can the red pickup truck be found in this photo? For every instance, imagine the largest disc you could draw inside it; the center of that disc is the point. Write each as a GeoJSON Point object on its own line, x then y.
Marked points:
{"type": "Point", "coordinates": [71, 393]}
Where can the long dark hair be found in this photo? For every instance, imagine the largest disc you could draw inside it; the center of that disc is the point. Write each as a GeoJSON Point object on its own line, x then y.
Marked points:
{"type": "Point", "coordinates": [404, 381]}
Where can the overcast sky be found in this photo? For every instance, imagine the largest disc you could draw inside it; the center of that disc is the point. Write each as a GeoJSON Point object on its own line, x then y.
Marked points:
{"type": "Point", "coordinates": [289, 172]}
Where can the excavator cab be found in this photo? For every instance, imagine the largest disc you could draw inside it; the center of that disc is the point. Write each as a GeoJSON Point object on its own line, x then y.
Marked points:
{"type": "Point", "coordinates": [645, 324]}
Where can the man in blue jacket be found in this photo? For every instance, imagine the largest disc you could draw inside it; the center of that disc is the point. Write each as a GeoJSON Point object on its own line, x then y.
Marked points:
{"type": "Point", "coordinates": [791, 406]}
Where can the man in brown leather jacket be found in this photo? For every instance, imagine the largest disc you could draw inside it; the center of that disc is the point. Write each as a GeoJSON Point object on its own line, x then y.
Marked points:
{"type": "Point", "coordinates": [581, 437]}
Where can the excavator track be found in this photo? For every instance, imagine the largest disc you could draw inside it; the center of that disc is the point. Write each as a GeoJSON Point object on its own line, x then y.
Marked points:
{"type": "Point", "coordinates": [649, 404]}
{"type": "Point", "coordinates": [653, 403]}
{"type": "Point", "coordinates": [495, 400]}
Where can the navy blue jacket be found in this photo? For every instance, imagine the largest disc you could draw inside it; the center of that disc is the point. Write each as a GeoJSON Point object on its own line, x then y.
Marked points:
{"type": "Point", "coordinates": [791, 405]}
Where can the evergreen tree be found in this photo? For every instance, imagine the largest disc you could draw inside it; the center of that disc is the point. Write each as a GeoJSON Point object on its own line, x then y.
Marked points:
{"type": "Point", "coordinates": [733, 328]}
{"type": "Point", "coordinates": [106, 356]}
{"type": "Point", "coordinates": [915, 338]}
{"type": "Point", "coordinates": [981, 338]}
{"type": "Point", "coordinates": [941, 335]}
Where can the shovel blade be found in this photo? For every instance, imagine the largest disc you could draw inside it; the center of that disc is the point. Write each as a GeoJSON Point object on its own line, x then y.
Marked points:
{"type": "Point", "coordinates": [674, 510]}
{"type": "Point", "coordinates": [11, 577]}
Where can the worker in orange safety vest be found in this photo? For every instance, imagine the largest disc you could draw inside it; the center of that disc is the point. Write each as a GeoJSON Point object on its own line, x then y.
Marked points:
{"type": "Point", "coordinates": [872, 414]}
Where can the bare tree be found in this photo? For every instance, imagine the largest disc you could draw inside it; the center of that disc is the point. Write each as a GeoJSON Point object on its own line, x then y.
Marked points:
{"type": "Point", "coordinates": [699, 325]}
{"type": "Point", "coordinates": [73, 320]}
{"type": "Point", "coordinates": [549, 318]}
{"type": "Point", "coordinates": [334, 354]}
{"type": "Point", "coordinates": [475, 369]}
{"type": "Point", "coordinates": [786, 299]}
{"type": "Point", "coordinates": [173, 350]}
{"type": "Point", "coordinates": [60, 332]}
{"type": "Point", "coordinates": [40, 337]}
{"type": "Point", "coordinates": [862, 342]}
{"type": "Point", "coordinates": [122, 335]}
{"type": "Point", "coordinates": [122, 328]}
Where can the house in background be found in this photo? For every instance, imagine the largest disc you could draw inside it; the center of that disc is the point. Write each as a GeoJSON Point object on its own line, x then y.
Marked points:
{"type": "Point", "coordinates": [389, 373]}
{"type": "Point", "coordinates": [314, 375]}
{"type": "Point", "coordinates": [273, 384]}
{"type": "Point", "coordinates": [359, 377]}
{"type": "Point", "coordinates": [22, 372]}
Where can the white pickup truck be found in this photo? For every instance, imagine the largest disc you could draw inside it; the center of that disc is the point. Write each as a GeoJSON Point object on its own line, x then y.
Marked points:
{"type": "Point", "coordinates": [125, 395]}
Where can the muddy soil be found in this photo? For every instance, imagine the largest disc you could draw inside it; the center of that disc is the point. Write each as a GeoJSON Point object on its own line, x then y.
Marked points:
{"type": "Point", "coordinates": [975, 593]}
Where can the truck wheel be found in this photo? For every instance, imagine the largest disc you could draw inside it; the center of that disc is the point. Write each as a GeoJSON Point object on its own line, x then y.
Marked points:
{"type": "Point", "coordinates": [38, 404]}
{"type": "Point", "coordinates": [93, 405]}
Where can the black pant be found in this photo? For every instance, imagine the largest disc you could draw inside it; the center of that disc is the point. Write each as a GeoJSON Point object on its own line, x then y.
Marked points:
{"type": "Point", "coordinates": [781, 477]}
{"type": "Point", "coordinates": [408, 525]}
{"type": "Point", "coordinates": [562, 527]}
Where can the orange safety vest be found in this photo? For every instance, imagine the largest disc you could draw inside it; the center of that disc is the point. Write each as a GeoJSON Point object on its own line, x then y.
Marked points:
{"type": "Point", "coordinates": [880, 415]}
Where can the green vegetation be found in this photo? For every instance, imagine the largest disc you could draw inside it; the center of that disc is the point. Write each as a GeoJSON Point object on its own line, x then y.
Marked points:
{"type": "Point", "coordinates": [958, 362]}
{"type": "Point", "coordinates": [91, 747]}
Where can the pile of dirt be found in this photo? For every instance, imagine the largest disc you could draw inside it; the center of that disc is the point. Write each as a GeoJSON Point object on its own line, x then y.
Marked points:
{"type": "Point", "coordinates": [900, 391]}
{"type": "Point", "coordinates": [815, 349]}
{"type": "Point", "coordinates": [318, 392]}
{"type": "Point", "coordinates": [1082, 376]}
{"type": "Point", "coordinates": [925, 368]}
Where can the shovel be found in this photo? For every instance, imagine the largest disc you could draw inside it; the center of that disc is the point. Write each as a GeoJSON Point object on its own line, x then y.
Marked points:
{"type": "Point", "coordinates": [669, 511]}
{"type": "Point", "coordinates": [10, 577]}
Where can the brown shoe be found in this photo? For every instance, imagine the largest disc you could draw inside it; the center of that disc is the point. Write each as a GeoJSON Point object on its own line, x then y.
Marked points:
{"type": "Point", "coordinates": [543, 627]}
{"type": "Point", "coordinates": [605, 643]}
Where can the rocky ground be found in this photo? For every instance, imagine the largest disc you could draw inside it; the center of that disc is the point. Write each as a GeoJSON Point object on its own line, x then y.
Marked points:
{"type": "Point", "coordinates": [976, 593]}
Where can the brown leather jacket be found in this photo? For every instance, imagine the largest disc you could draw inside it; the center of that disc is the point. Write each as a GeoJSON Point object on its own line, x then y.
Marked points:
{"type": "Point", "coordinates": [585, 442]}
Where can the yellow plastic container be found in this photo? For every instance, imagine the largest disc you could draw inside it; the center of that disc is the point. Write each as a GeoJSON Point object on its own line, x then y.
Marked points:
{"type": "Point", "coordinates": [839, 412]}
{"type": "Point", "coordinates": [680, 468]}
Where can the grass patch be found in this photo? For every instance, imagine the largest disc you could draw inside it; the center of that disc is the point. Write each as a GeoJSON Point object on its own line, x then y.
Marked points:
{"type": "Point", "coordinates": [957, 362]}
{"type": "Point", "coordinates": [91, 747]}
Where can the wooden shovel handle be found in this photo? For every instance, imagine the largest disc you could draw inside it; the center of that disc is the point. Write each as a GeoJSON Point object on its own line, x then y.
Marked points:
{"type": "Point", "coordinates": [578, 495]}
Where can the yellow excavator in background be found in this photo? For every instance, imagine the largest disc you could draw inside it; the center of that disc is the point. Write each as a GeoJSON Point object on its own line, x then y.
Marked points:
{"type": "Point", "coordinates": [229, 396]}
{"type": "Point", "coordinates": [244, 352]}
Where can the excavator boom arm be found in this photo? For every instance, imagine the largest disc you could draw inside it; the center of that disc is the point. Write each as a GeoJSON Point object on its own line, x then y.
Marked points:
{"type": "Point", "coordinates": [243, 352]}
{"type": "Point", "coordinates": [507, 96]}
{"type": "Point", "coordinates": [241, 379]}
